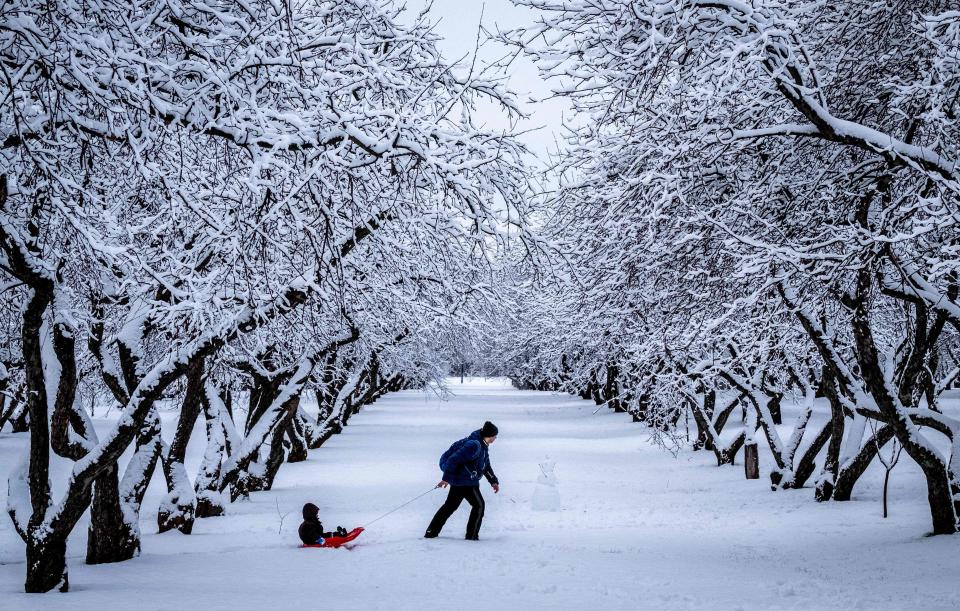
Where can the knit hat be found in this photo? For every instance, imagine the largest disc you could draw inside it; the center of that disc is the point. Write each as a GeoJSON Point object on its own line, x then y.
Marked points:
{"type": "Point", "coordinates": [488, 430]}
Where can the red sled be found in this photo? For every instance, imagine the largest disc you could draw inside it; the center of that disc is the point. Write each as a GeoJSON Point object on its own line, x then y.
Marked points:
{"type": "Point", "coordinates": [338, 541]}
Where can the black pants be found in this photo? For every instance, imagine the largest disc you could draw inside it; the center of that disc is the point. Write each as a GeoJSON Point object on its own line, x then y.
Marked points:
{"type": "Point", "coordinates": [456, 496]}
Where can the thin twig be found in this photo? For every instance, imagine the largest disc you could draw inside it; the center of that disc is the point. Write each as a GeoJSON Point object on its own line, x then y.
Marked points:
{"type": "Point", "coordinates": [282, 516]}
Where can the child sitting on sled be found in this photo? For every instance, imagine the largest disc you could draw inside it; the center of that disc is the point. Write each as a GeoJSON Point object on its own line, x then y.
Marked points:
{"type": "Point", "coordinates": [311, 530]}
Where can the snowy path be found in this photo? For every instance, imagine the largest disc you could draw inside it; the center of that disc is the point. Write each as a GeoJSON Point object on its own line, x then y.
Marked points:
{"type": "Point", "coordinates": [639, 528]}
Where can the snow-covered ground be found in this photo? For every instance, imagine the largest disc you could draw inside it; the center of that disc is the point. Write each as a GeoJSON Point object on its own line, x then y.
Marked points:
{"type": "Point", "coordinates": [638, 528]}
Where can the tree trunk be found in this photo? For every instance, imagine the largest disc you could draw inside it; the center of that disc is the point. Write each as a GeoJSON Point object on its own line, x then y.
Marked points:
{"type": "Point", "coordinates": [943, 512]}
{"type": "Point", "coordinates": [46, 550]}
{"type": "Point", "coordinates": [721, 420]}
{"type": "Point", "coordinates": [209, 500]}
{"type": "Point", "coordinates": [808, 463]}
{"type": "Point", "coordinates": [178, 507]}
{"type": "Point", "coordinates": [296, 433]}
{"type": "Point", "coordinates": [5, 410]}
{"type": "Point", "coordinates": [831, 466]}
{"type": "Point", "coordinates": [751, 460]}
{"type": "Point", "coordinates": [114, 533]}
{"type": "Point", "coordinates": [46, 565]}
{"type": "Point", "coordinates": [246, 473]}
{"type": "Point", "coordinates": [587, 391]}
{"type": "Point", "coordinates": [727, 455]}
{"type": "Point", "coordinates": [328, 431]}
{"type": "Point", "coordinates": [703, 440]}
{"type": "Point", "coordinates": [209, 504]}
{"type": "Point", "coordinates": [611, 389]}
{"type": "Point", "coordinates": [776, 413]}
{"type": "Point", "coordinates": [940, 496]}
{"type": "Point", "coordinates": [19, 418]}
{"type": "Point", "coordinates": [851, 471]}
{"type": "Point", "coordinates": [109, 537]}
{"type": "Point", "coordinates": [274, 458]}
{"type": "Point", "coordinates": [283, 430]}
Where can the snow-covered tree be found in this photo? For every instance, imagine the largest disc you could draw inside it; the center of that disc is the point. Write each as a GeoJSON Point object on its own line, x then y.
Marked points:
{"type": "Point", "coordinates": [745, 177]}
{"type": "Point", "coordinates": [178, 176]}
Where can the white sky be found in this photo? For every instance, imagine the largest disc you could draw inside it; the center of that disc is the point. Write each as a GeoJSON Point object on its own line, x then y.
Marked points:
{"type": "Point", "coordinates": [457, 22]}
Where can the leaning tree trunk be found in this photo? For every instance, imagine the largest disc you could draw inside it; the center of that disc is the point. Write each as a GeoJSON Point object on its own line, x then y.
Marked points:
{"type": "Point", "coordinates": [340, 410]}
{"type": "Point", "coordinates": [263, 394]}
{"type": "Point", "coordinates": [329, 419]}
{"type": "Point", "coordinates": [831, 466]}
{"type": "Point", "coordinates": [766, 422]}
{"type": "Point", "coordinates": [853, 468]}
{"type": "Point", "coordinates": [940, 493]}
{"type": "Point", "coordinates": [297, 433]}
{"type": "Point", "coordinates": [109, 539]}
{"type": "Point", "coordinates": [725, 454]}
{"type": "Point", "coordinates": [114, 532]}
{"type": "Point", "coordinates": [243, 472]}
{"type": "Point", "coordinates": [221, 441]}
{"type": "Point", "coordinates": [178, 507]}
{"type": "Point", "coordinates": [701, 418]}
{"type": "Point", "coordinates": [943, 511]}
{"type": "Point", "coordinates": [778, 476]}
{"type": "Point", "coordinates": [808, 463]}
{"type": "Point", "coordinates": [283, 429]}
{"type": "Point", "coordinates": [274, 457]}
{"type": "Point", "coordinates": [720, 421]}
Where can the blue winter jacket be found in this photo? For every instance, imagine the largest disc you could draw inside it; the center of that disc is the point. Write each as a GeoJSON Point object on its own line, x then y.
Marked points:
{"type": "Point", "coordinates": [467, 460]}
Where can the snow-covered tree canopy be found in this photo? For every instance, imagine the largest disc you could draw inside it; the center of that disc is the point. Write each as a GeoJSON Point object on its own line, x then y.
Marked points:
{"type": "Point", "coordinates": [194, 194]}
{"type": "Point", "coordinates": [758, 198]}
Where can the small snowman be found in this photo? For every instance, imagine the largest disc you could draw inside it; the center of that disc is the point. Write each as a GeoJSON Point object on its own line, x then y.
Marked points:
{"type": "Point", "coordinates": [546, 496]}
